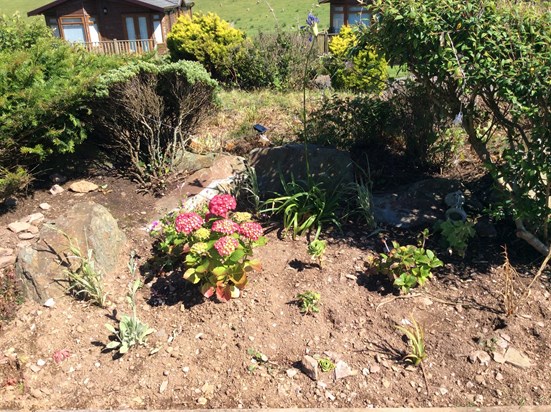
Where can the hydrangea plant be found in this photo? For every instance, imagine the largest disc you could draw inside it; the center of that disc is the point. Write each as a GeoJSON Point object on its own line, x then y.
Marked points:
{"type": "Point", "coordinates": [217, 244]}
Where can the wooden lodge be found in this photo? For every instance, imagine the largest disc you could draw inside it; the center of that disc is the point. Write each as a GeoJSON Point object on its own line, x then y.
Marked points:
{"type": "Point", "coordinates": [346, 12]}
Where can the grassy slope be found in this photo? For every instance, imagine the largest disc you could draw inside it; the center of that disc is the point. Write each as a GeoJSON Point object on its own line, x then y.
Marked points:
{"type": "Point", "coordinates": [251, 16]}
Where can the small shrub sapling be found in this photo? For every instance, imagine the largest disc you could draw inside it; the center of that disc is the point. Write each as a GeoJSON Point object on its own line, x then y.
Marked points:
{"type": "Point", "coordinates": [309, 301]}
{"type": "Point", "coordinates": [316, 249]}
{"type": "Point", "coordinates": [416, 341]}
{"type": "Point", "coordinates": [456, 234]}
{"type": "Point", "coordinates": [408, 266]}
{"type": "Point", "coordinates": [218, 245]}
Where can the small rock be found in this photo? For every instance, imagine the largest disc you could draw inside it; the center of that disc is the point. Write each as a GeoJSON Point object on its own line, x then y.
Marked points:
{"type": "Point", "coordinates": [202, 401]}
{"type": "Point", "coordinates": [35, 393]}
{"type": "Point", "coordinates": [375, 369]}
{"type": "Point", "coordinates": [342, 370]}
{"type": "Point", "coordinates": [44, 206]}
{"type": "Point", "coordinates": [479, 379]}
{"type": "Point", "coordinates": [163, 386]}
{"type": "Point", "coordinates": [469, 385]}
{"type": "Point", "coordinates": [57, 178]}
{"type": "Point", "coordinates": [321, 385]}
{"type": "Point", "coordinates": [425, 301]}
{"type": "Point", "coordinates": [498, 357]}
{"type": "Point", "coordinates": [499, 377]}
{"type": "Point", "coordinates": [165, 373]}
{"type": "Point", "coordinates": [83, 186]}
{"type": "Point", "coordinates": [56, 189]}
{"type": "Point", "coordinates": [442, 391]}
{"type": "Point", "coordinates": [479, 399]}
{"type": "Point", "coordinates": [185, 369]}
{"type": "Point", "coordinates": [329, 396]}
{"type": "Point", "coordinates": [208, 390]}
{"type": "Point", "coordinates": [6, 261]}
{"type": "Point", "coordinates": [480, 356]}
{"type": "Point", "coordinates": [291, 373]}
{"type": "Point", "coordinates": [33, 229]}
{"type": "Point", "coordinates": [17, 227]}
{"type": "Point", "coordinates": [502, 343]}
{"type": "Point", "coordinates": [26, 236]}
{"type": "Point", "coordinates": [386, 383]}
{"type": "Point", "coordinates": [35, 368]}
{"type": "Point", "coordinates": [40, 362]}
{"type": "Point", "coordinates": [310, 367]}
{"type": "Point", "coordinates": [365, 371]}
{"type": "Point", "coordinates": [34, 218]}
{"type": "Point", "coordinates": [516, 358]}
{"type": "Point", "coordinates": [50, 303]}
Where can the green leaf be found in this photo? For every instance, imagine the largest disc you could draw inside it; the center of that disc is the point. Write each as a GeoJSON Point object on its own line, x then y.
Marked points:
{"type": "Point", "coordinates": [112, 345]}
{"type": "Point", "coordinates": [110, 328]}
{"type": "Point", "coordinates": [237, 255]}
{"type": "Point", "coordinates": [220, 271]}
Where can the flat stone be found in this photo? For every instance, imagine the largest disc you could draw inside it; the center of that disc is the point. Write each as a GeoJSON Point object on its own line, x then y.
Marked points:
{"type": "Point", "coordinates": [26, 236]}
{"type": "Point", "coordinates": [480, 356]}
{"type": "Point", "coordinates": [33, 218]}
{"type": "Point", "coordinates": [6, 261]}
{"type": "Point", "coordinates": [202, 401]}
{"type": "Point", "coordinates": [342, 370]}
{"type": "Point", "coordinates": [17, 227]}
{"type": "Point", "coordinates": [310, 367]}
{"type": "Point", "coordinates": [35, 393]}
{"type": "Point", "coordinates": [83, 186]}
{"type": "Point", "coordinates": [498, 357]}
{"type": "Point", "coordinates": [56, 189]}
{"type": "Point", "coordinates": [163, 386]}
{"type": "Point", "coordinates": [44, 206]}
{"type": "Point", "coordinates": [4, 251]}
{"type": "Point", "coordinates": [291, 373]}
{"type": "Point", "coordinates": [516, 358]}
{"type": "Point", "coordinates": [375, 369]}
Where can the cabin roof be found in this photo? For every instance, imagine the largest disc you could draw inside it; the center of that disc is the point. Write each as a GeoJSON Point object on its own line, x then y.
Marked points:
{"type": "Point", "coordinates": [158, 5]}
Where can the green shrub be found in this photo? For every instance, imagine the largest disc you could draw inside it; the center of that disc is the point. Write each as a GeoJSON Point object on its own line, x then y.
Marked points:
{"type": "Point", "coordinates": [45, 85]}
{"type": "Point", "coordinates": [146, 111]}
{"type": "Point", "coordinates": [363, 71]}
{"type": "Point", "coordinates": [208, 39]}
{"type": "Point", "coordinates": [408, 266]}
{"type": "Point", "coordinates": [456, 235]}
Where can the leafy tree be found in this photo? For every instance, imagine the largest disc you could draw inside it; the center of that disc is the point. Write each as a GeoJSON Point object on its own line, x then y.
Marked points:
{"type": "Point", "coordinates": [488, 63]}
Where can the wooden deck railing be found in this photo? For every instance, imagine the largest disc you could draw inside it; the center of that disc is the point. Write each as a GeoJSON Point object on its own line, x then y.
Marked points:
{"type": "Point", "coordinates": [121, 46]}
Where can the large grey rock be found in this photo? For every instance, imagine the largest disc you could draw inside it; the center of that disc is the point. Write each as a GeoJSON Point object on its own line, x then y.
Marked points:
{"type": "Point", "coordinates": [328, 165]}
{"type": "Point", "coordinates": [417, 205]}
{"type": "Point", "coordinates": [89, 226]}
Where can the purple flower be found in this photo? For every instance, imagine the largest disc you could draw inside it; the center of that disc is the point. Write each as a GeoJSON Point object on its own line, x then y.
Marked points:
{"type": "Point", "coordinates": [311, 20]}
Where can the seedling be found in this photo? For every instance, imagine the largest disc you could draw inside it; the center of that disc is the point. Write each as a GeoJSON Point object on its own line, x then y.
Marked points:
{"type": "Point", "coordinates": [131, 330]}
{"type": "Point", "coordinates": [326, 365]}
{"type": "Point", "coordinates": [316, 249]}
{"type": "Point", "coordinates": [309, 302]}
{"type": "Point", "coordinates": [416, 341]}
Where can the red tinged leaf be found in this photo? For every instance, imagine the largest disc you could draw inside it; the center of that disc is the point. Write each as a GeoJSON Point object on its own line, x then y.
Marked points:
{"type": "Point", "coordinates": [223, 293]}
{"type": "Point", "coordinates": [207, 290]}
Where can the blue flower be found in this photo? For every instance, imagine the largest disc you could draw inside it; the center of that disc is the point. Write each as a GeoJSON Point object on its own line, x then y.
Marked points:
{"type": "Point", "coordinates": [311, 20]}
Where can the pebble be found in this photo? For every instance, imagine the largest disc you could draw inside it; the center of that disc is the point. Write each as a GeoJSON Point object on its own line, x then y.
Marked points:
{"type": "Point", "coordinates": [365, 371]}
{"type": "Point", "coordinates": [44, 206]}
{"type": "Point", "coordinates": [375, 369]}
{"type": "Point", "coordinates": [442, 391]}
{"type": "Point", "coordinates": [35, 393]}
{"type": "Point", "coordinates": [499, 377]}
{"type": "Point", "coordinates": [50, 303]}
{"type": "Point", "coordinates": [386, 383]}
{"type": "Point", "coordinates": [56, 189]}
{"type": "Point", "coordinates": [41, 362]}
{"type": "Point", "coordinates": [329, 396]}
{"type": "Point", "coordinates": [35, 368]}
{"type": "Point", "coordinates": [202, 401]}
{"type": "Point", "coordinates": [291, 373]}
{"type": "Point", "coordinates": [163, 386]}
{"type": "Point", "coordinates": [185, 369]}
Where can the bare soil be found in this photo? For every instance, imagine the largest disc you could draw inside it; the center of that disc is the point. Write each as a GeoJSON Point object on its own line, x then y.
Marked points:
{"type": "Point", "coordinates": [201, 352]}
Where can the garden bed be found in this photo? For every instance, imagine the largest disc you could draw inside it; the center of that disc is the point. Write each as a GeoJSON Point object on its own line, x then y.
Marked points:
{"type": "Point", "coordinates": [247, 352]}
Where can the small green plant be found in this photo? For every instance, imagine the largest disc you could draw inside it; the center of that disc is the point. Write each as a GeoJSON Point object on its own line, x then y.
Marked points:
{"type": "Point", "coordinates": [326, 365]}
{"type": "Point", "coordinates": [305, 206]}
{"type": "Point", "coordinates": [85, 280]}
{"type": "Point", "coordinates": [309, 302]}
{"type": "Point", "coordinates": [316, 249]}
{"type": "Point", "coordinates": [131, 330]}
{"type": "Point", "coordinates": [456, 234]}
{"type": "Point", "coordinates": [416, 341]}
{"type": "Point", "coordinates": [217, 244]}
{"type": "Point", "coordinates": [408, 266]}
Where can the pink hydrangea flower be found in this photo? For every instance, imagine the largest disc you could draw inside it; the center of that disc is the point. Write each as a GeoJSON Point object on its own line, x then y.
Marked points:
{"type": "Point", "coordinates": [225, 226]}
{"type": "Point", "coordinates": [188, 222]}
{"type": "Point", "coordinates": [220, 205]}
{"type": "Point", "coordinates": [251, 230]}
{"type": "Point", "coordinates": [226, 245]}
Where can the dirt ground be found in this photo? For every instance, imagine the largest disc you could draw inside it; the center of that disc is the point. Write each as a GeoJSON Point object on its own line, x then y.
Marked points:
{"type": "Point", "coordinates": [203, 352]}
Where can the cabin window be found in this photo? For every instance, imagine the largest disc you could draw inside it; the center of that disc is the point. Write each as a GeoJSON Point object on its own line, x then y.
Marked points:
{"type": "Point", "coordinates": [52, 24]}
{"type": "Point", "coordinates": [137, 32]}
{"type": "Point", "coordinates": [338, 18]}
{"type": "Point", "coordinates": [358, 15]}
{"type": "Point", "coordinates": [348, 15]}
{"type": "Point", "coordinates": [73, 29]}
{"type": "Point", "coordinates": [157, 29]}
{"type": "Point", "coordinates": [94, 31]}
